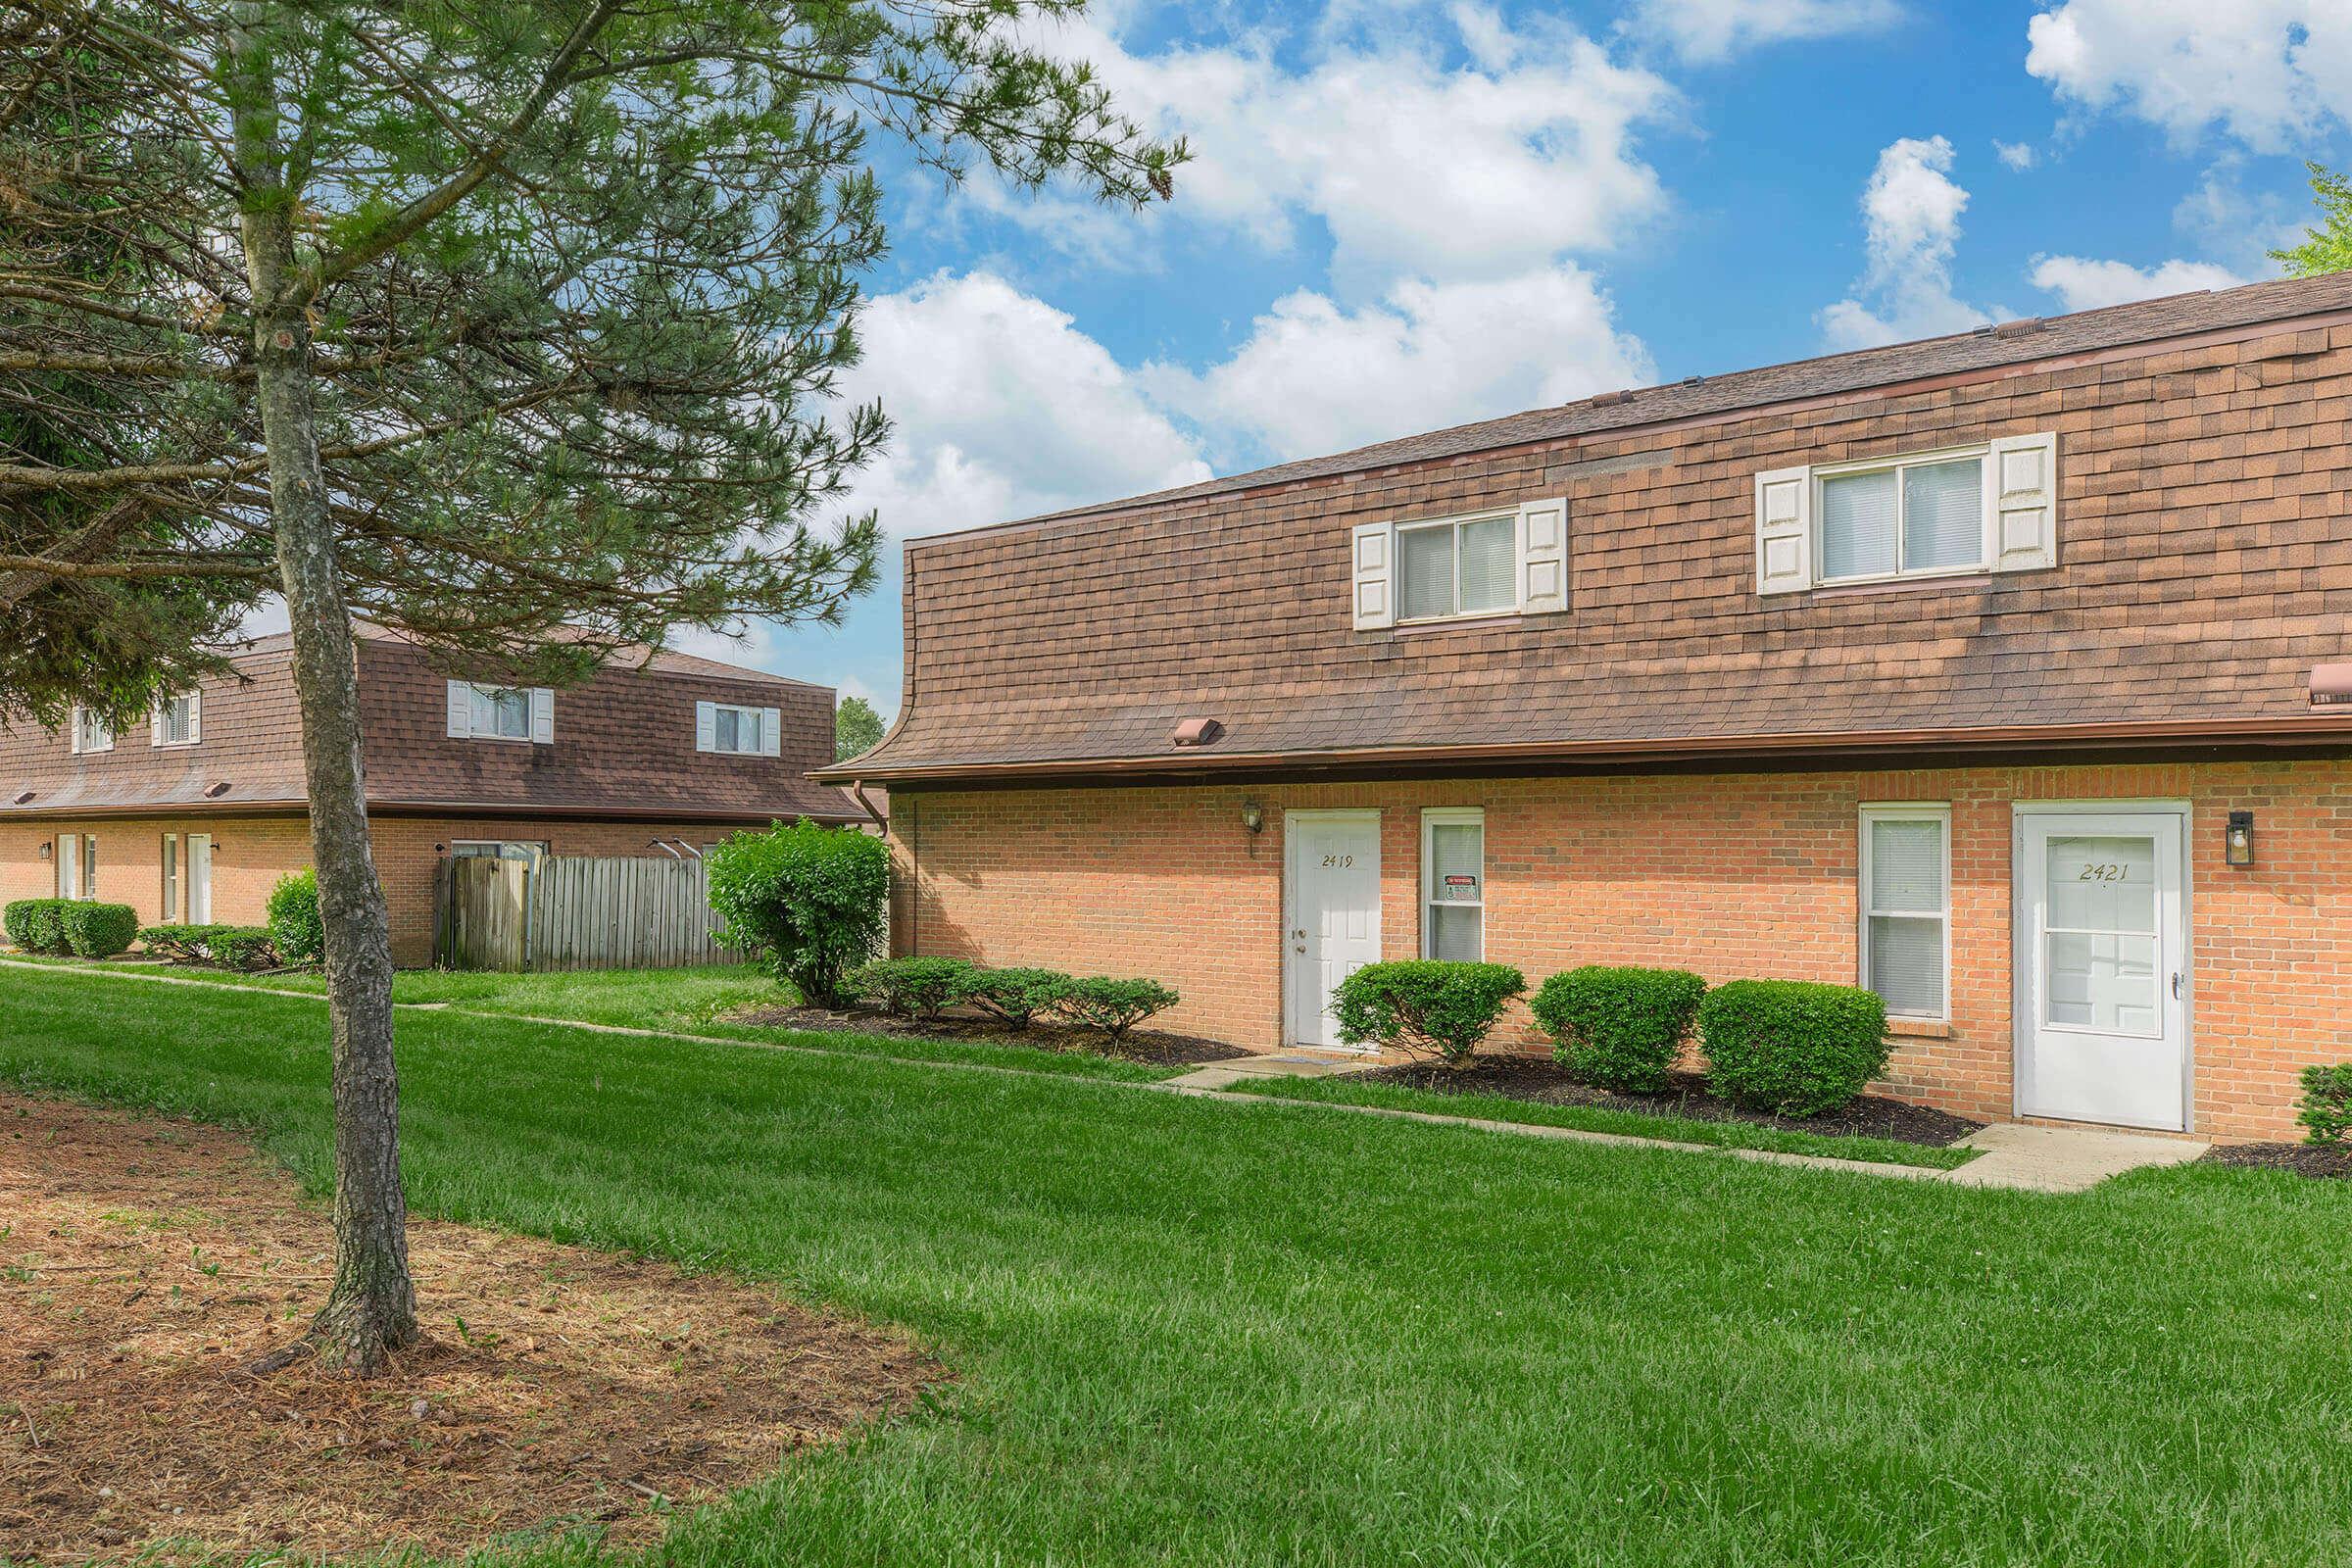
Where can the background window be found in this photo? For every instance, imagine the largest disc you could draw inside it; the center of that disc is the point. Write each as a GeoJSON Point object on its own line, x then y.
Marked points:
{"type": "Point", "coordinates": [176, 721]}
{"type": "Point", "coordinates": [737, 730]}
{"type": "Point", "coordinates": [92, 732]}
{"type": "Point", "coordinates": [1457, 568]}
{"type": "Point", "coordinates": [171, 879]}
{"type": "Point", "coordinates": [77, 866]}
{"type": "Point", "coordinates": [1906, 907]}
{"type": "Point", "coordinates": [504, 712]}
{"type": "Point", "coordinates": [1454, 861]}
{"type": "Point", "coordinates": [1903, 519]}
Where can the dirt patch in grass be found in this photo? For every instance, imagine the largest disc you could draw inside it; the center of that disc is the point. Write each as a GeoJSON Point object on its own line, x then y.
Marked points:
{"type": "Point", "coordinates": [1153, 1046]}
{"type": "Point", "coordinates": [2304, 1159]}
{"type": "Point", "coordinates": [146, 1262]}
{"type": "Point", "coordinates": [1534, 1079]}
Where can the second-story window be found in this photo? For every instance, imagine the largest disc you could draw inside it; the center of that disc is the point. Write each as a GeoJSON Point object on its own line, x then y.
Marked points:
{"type": "Point", "coordinates": [478, 711]}
{"type": "Point", "coordinates": [732, 729]}
{"type": "Point", "coordinates": [1457, 568]}
{"type": "Point", "coordinates": [178, 720]}
{"type": "Point", "coordinates": [91, 732]}
{"type": "Point", "coordinates": [1511, 559]}
{"type": "Point", "coordinates": [1939, 514]}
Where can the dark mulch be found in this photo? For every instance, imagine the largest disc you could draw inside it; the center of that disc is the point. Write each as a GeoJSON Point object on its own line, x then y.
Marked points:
{"type": "Point", "coordinates": [2302, 1159]}
{"type": "Point", "coordinates": [1533, 1078]}
{"type": "Point", "coordinates": [1152, 1045]}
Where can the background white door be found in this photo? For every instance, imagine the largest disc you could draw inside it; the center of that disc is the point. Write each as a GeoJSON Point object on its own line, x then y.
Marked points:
{"type": "Point", "coordinates": [2103, 963]}
{"type": "Point", "coordinates": [1333, 927]}
{"type": "Point", "coordinates": [200, 879]}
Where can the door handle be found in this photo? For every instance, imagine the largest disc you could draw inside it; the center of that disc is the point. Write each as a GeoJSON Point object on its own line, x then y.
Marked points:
{"type": "Point", "coordinates": [2178, 980]}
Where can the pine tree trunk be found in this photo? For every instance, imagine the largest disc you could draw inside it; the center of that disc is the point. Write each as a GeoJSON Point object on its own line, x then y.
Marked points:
{"type": "Point", "coordinates": [372, 1309]}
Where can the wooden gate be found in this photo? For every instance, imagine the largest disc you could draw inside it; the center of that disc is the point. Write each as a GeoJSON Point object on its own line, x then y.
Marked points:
{"type": "Point", "coordinates": [576, 913]}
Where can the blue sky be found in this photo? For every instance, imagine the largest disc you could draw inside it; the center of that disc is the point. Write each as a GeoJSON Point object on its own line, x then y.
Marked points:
{"type": "Point", "coordinates": [1403, 216]}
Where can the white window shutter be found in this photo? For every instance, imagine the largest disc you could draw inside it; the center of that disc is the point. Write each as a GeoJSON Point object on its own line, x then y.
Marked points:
{"type": "Point", "coordinates": [705, 726]}
{"type": "Point", "coordinates": [543, 717]}
{"type": "Point", "coordinates": [195, 718]}
{"type": "Point", "coordinates": [155, 724]}
{"type": "Point", "coordinates": [2021, 503]}
{"type": "Point", "coordinates": [1543, 556]}
{"type": "Point", "coordinates": [1374, 553]}
{"type": "Point", "coordinates": [74, 730]}
{"type": "Point", "coordinates": [1783, 530]}
{"type": "Point", "coordinates": [771, 720]}
{"type": "Point", "coordinates": [460, 710]}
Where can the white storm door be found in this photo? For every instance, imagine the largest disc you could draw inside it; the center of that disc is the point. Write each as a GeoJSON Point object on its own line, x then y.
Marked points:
{"type": "Point", "coordinates": [2103, 967]}
{"type": "Point", "coordinates": [200, 879]}
{"type": "Point", "coordinates": [1333, 927]}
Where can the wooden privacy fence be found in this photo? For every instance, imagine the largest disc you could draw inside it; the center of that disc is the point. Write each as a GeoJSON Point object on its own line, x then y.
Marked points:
{"type": "Point", "coordinates": [573, 912]}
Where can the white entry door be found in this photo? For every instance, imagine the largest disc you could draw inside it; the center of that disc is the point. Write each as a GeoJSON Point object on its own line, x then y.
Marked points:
{"type": "Point", "coordinates": [200, 879]}
{"type": "Point", "coordinates": [1332, 924]}
{"type": "Point", "coordinates": [2102, 962]}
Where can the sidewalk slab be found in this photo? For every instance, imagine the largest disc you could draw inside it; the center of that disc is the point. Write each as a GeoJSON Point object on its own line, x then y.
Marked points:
{"type": "Point", "coordinates": [1276, 1064]}
{"type": "Point", "coordinates": [2064, 1159]}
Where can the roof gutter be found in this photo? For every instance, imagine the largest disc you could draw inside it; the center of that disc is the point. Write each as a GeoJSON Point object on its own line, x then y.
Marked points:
{"type": "Point", "coordinates": [2263, 732]}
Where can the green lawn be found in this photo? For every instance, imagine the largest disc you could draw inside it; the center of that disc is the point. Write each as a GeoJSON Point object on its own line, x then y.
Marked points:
{"type": "Point", "coordinates": [679, 1001]}
{"type": "Point", "coordinates": [1195, 1332]}
{"type": "Point", "coordinates": [1602, 1119]}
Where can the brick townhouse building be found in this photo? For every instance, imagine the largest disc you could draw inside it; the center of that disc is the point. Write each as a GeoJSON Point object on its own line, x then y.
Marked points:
{"type": "Point", "coordinates": [195, 813]}
{"type": "Point", "coordinates": [1994, 672]}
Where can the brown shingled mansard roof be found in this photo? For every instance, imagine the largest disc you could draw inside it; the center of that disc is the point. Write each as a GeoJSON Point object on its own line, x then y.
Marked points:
{"type": "Point", "coordinates": [2205, 566]}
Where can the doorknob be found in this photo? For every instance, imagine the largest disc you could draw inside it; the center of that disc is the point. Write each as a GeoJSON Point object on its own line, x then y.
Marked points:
{"type": "Point", "coordinates": [2179, 979]}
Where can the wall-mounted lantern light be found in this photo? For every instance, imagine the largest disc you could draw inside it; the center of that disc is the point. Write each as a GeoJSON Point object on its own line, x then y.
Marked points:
{"type": "Point", "coordinates": [1253, 817]}
{"type": "Point", "coordinates": [2237, 839]}
{"type": "Point", "coordinates": [45, 848]}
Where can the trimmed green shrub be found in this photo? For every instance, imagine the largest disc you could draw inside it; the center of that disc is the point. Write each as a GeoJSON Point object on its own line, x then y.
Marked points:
{"type": "Point", "coordinates": [227, 947]}
{"type": "Point", "coordinates": [36, 925]}
{"type": "Point", "coordinates": [1425, 1006]}
{"type": "Point", "coordinates": [1792, 1047]}
{"type": "Point", "coordinates": [913, 988]}
{"type": "Point", "coordinates": [1016, 996]}
{"type": "Point", "coordinates": [2326, 1103]}
{"type": "Point", "coordinates": [1111, 1008]}
{"type": "Point", "coordinates": [99, 930]}
{"type": "Point", "coordinates": [1619, 1029]}
{"type": "Point", "coordinates": [813, 899]}
{"type": "Point", "coordinates": [295, 927]}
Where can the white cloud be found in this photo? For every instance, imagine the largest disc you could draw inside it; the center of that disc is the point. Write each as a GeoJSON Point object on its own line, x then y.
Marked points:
{"type": "Point", "coordinates": [2268, 71]}
{"type": "Point", "coordinates": [1710, 31]}
{"type": "Point", "coordinates": [1004, 408]}
{"type": "Point", "coordinates": [2084, 284]}
{"type": "Point", "coordinates": [1415, 168]}
{"type": "Point", "coordinates": [1910, 223]}
{"type": "Point", "coordinates": [2018, 155]}
{"type": "Point", "coordinates": [1316, 377]}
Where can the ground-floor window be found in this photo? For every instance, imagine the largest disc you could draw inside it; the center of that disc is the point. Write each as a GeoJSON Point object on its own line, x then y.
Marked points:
{"type": "Point", "coordinates": [1906, 867]}
{"type": "Point", "coordinates": [497, 849]}
{"type": "Point", "coordinates": [171, 878]}
{"type": "Point", "coordinates": [1453, 883]}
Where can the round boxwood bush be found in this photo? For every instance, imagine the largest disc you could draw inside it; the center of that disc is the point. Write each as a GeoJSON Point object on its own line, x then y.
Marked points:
{"type": "Point", "coordinates": [1425, 1006]}
{"type": "Point", "coordinates": [1109, 1007]}
{"type": "Point", "coordinates": [813, 899]}
{"type": "Point", "coordinates": [36, 925]}
{"type": "Point", "coordinates": [1620, 1029]}
{"type": "Point", "coordinates": [99, 930]}
{"type": "Point", "coordinates": [295, 928]}
{"type": "Point", "coordinates": [1792, 1047]}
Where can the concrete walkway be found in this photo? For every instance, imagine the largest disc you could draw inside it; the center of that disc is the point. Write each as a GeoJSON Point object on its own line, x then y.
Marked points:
{"type": "Point", "coordinates": [2049, 1159]}
{"type": "Point", "coordinates": [2045, 1159]}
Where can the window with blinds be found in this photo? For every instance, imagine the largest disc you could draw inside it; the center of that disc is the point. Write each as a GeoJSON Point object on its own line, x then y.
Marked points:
{"type": "Point", "coordinates": [1453, 874]}
{"type": "Point", "coordinates": [1457, 568]}
{"type": "Point", "coordinates": [1903, 519]}
{"type": "Point", "coordinates": [1906, 907]}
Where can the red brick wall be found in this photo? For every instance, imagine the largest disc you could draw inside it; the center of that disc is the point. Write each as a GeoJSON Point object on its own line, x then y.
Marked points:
{"type": "Point", "coordinates": [251, 854]}
{"type": "Point", "coordinates": [1744, 875]}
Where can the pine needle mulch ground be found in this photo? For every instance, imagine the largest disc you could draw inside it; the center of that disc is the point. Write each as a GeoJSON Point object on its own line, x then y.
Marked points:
{"type": "Point", "coordinates": [145, 1262]}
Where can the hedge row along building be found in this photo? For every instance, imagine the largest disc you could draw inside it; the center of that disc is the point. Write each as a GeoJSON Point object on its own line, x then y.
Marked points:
{"type": "Point", "coordinates": [1998, 672]}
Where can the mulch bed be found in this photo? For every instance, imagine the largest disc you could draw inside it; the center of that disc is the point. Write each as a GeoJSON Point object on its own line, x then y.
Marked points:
{"type": "Point", "coordinates": [1152, 1045]}
{"type": "Point", "coordinates": [2301, 1159]}
{"type": "Point", "coordinates": [145, 1263]}
{"type": "Point", "coordinates": [1533, 1078]}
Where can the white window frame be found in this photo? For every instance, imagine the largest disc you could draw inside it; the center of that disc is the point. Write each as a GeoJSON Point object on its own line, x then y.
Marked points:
{"type": "Point", "coordinates": [1941, 813]}
{"type": "Point", "coordinates": [1466, 519]}
{"type": "Point", "coordinates": [534, 850]}
{"type": "Point", "coordinates": [87, 720]}
{"type": "Point", "coordinates": [480, 703]}
{"type": "Point", "coordinates": [155, 721]}
{"type": "Point", "coordinates": [1431, 817]}
{"type": "Point", "coordinates": [1981, 450]}
{"type": "Point", "coordinates": [174, 879]}
{"type": "Point", "coordinates": [757, 718]}
{"type": "Point", "coordinates": [769, 721]}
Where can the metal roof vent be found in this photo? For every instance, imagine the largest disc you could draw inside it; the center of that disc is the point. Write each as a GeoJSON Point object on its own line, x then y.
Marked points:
{"type": "Point", "coordinates": [23, 797]}
{"type": "Point", "coordinates": [2331, 686]}
{"type": "Point", "coordinates": [214, 791]}
{"type": "Point", "coordinates": [1199, 732]}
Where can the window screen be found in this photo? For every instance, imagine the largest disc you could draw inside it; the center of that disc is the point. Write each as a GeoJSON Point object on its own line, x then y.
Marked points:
{"type": "Point", "coordinates": [1453, 858]}
{"type": "Point", "coordinates": [1425, 572]}
{"type": "Point", "coordinates": [1903, 519]}
{"type": "Point", "coordinates": [1489, 564]}
{"type": "Point", "coordinates": [1906, 906]}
